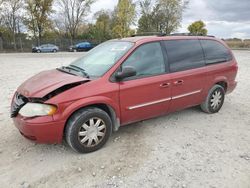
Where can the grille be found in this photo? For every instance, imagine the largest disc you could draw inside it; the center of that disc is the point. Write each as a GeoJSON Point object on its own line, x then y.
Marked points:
{"type": "Point", "coordinates": [18, 102]}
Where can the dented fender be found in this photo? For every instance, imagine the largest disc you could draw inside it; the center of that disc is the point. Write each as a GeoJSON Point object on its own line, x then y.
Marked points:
{"type": "Point", "coordinates": [72, 107]}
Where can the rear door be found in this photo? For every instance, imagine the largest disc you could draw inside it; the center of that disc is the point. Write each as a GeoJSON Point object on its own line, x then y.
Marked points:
{"type": "Point", "coordinates": [188, 73]}
{"type": "Point", "coordinates": [147, 94]}
{"type": "Point", "coordinates": [82, 46]}
{"type": "Point", "coordinates": [43, 48]}
{"type": "Point", "coordinates": [46, 48]}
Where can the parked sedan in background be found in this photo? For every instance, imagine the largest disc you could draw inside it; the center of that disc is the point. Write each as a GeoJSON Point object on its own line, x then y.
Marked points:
{"type": "Point", "coordinates": [46, 48]}
{"type": "Point", "coordinates": [81, 47]}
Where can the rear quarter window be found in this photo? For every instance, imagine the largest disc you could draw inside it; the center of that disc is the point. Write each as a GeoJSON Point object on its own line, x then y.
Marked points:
{"type": "Point", "coordinates": [215, 52]}
{"type": "Point", "coordinates": [184, 54]}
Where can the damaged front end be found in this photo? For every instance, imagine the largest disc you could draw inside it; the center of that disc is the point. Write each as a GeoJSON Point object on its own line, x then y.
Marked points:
{"type": "Point", "coordinates": [19, 100]}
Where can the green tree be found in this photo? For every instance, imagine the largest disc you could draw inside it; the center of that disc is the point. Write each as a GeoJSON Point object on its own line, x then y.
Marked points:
{"type": "Point", "coordinates": [165, 16]}
{"type": "Point", "coordinates": [101, 30]}
{"type": "Point", "coordinates": [198, 28]}
{"type": "Point", "coordinates": [124, 16]}
{"type": "Point", "coordinates": [37, 19]}
{"type": "Point", "coordinates": [170, 14]}
{"type": "Point", "coordinates": [145, 23]}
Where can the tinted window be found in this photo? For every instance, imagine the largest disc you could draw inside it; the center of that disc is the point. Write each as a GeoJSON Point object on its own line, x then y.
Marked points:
{"type": "Point", "coordinates": [147, 60]}
{"type": "Point", "coordinates": [184, 54]}
{"type": "Point", "coordinates": [215, 52]}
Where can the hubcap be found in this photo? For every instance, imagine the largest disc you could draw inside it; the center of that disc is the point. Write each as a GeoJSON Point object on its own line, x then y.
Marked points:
{"type": "Point", "coordinates": [92, 132]}
{"type": "Point", "coordinates": [216, 100]}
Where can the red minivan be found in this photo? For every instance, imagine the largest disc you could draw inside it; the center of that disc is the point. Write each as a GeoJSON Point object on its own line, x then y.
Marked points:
{"type": "Point", "coordinates": [120, 82]}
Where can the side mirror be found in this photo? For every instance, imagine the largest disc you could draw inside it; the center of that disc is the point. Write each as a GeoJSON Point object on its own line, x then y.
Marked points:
{"type": "Point", "coordinates": [125, 73]}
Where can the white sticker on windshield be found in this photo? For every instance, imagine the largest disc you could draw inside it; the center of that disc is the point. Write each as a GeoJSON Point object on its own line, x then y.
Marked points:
{"type": "Point", "coordinates": [119, 49]}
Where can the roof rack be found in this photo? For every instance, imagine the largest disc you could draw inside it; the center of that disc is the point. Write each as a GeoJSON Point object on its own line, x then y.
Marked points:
{"type": "Point", "coordinates": [189, 34]}
{"type": "Point", "coordinates": [160, 34]}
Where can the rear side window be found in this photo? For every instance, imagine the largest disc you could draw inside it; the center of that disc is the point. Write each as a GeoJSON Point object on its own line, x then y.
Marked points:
{"type": "Point", "coordinates": [215, 52]}
{"type": "Point", "coordinates": [184, 54]}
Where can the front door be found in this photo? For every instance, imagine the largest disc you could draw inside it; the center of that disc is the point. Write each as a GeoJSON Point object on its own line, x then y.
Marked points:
{"type": "Point", "coordinates": [147, 94]}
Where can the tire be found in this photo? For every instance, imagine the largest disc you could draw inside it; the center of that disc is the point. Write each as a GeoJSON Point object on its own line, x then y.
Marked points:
{"type": "Point", "coordinates": [88, 130]}
{"type": "Point", "coordinates": [54, 51]}
{"type": "Point", "coordinates": [75, 50]}
{"type": "Point", "coordinates": [214, 100]}
{"type": "Point", "coordinates": [39, 51]}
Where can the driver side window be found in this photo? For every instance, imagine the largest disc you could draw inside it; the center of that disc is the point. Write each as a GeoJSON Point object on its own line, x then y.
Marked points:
{"type": "Point", "coordinates": [147, 60]}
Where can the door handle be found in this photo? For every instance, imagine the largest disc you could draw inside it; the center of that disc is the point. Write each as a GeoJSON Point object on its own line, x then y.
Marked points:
{"type": "Point", "coordinates": [179, 82]}
{"type": "Point", "coordinates": [165, 85]}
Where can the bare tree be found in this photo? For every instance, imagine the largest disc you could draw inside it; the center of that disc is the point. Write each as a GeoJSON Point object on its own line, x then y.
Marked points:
{"type": "Point", "coordinates": [73, 12]}
{"type": "Point", "coordinates": [12, 16]}
{"type": "Point", "coordinates": [1, 14]}
{"type": "Point", "coordinates": [1, 2]}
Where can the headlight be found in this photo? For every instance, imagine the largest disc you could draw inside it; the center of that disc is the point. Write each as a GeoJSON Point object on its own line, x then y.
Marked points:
{"type": "Point", "coordinates": [36, 109]}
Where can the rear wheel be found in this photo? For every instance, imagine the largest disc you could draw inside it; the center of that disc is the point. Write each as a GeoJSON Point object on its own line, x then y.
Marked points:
{"type": "Point", "coordinates": [214, 100]}
{"type": "Point", "coordinates": [54, 50]}
{"type": "Point", "coordinates": [88, 130]}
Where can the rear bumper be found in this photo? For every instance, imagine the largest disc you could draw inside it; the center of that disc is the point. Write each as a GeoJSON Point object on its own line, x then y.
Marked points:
{"type": "Point", "coordinates": [231, 87]}
{"type": "Point", "coordinates": [49, 132]}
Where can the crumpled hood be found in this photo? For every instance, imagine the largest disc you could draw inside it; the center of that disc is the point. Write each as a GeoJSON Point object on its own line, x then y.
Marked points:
{"type": "Point", "coordinates": [46, 82]}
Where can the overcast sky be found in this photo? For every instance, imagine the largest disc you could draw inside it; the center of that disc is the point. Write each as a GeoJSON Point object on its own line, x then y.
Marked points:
{"type": "Point", "coordinates": [224, 18]}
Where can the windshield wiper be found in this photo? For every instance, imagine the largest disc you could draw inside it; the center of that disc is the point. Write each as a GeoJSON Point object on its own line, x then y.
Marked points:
{"type": "Point", "coordinates": [73, 67]}
{"type": "Point", "coordinates": [62, 69]}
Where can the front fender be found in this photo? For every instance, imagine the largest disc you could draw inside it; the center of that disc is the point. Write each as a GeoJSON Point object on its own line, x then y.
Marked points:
{"type": "Point", "coordinates": [76, 105]}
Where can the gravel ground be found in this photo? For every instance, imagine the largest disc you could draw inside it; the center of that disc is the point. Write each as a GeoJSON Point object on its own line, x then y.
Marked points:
{"type": "Point", "coordinates": [184, 149]}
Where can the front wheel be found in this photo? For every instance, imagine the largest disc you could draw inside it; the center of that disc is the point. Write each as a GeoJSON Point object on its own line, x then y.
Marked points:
{"type": "Point", "coordinates": [214, 100]}
{"type": "Point", "coordinates": [88, 130]}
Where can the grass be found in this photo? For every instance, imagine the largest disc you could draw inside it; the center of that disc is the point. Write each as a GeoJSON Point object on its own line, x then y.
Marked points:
{"type": "Point", "coordinates": [238, 44]}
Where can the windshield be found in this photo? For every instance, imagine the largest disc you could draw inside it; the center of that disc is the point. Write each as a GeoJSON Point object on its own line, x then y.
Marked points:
{"type": "Point", "coordinates": [100, 59]}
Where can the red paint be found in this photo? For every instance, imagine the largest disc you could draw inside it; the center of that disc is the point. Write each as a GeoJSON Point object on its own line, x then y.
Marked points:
{"type": "Point", "coordinates": [46, 82]}
{"type": "Point", "coordinates": [121, 95]}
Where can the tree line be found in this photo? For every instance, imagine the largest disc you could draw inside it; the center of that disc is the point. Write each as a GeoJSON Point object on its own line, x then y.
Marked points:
{"type": "Point", "coordinates": [48, 19]}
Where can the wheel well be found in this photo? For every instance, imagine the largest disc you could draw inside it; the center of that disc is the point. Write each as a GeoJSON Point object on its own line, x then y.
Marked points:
{"type": "Point", "coordinates": [103, 107]}
{"type": "Point", "coordinates": [109, 110]}
{"type": "Point", "coordinates": [223, 84]}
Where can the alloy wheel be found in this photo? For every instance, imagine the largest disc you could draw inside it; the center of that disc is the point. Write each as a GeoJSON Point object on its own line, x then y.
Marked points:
{"type": "Point", "coordinates": [92, 132]}
{"type": "Point", "coordinates": [216, 99]}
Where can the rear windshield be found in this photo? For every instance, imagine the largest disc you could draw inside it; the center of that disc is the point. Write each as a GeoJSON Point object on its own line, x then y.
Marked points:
{"type": "Point", "coordinates": [100, 59]}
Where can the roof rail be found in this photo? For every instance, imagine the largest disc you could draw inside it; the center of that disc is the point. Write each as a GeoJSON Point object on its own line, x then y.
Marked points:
{"type": "Point", "coordinates": [189, 34]}
{"type": "Point", "coordinates": [148, 34]}
{"type": "Point", "coordinates": [160, 34]}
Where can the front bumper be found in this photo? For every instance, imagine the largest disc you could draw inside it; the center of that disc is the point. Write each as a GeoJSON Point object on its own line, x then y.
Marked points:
{"type": "Point", "coordinates": [40, 129]}
{"type": "Point", "coordinates": [34, 50]}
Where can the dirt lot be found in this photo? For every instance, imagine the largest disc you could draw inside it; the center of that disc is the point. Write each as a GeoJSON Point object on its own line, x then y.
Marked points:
{"type": "Point", "coordinates": [184, 149]}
